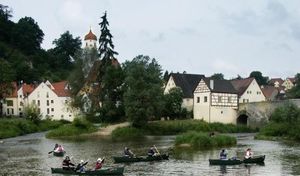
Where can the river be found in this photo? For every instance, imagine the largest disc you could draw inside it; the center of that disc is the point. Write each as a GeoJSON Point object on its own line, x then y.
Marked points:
{"type": "Point", "coordinates": [28, 155]}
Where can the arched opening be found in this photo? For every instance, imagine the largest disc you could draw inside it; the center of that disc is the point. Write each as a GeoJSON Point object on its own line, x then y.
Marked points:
{"type": "Point", "coordinates": [242, 119]}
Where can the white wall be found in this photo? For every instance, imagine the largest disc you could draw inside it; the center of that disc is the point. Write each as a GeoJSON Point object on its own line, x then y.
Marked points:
{"type": "Point", "coordinates": [252, 94]}
{"type": "Point", "coordinates": [10, 110]}
{"type": "Point", "coordinates": [170, 84]}
{"type": "Point", "coordinates": [188, 104]}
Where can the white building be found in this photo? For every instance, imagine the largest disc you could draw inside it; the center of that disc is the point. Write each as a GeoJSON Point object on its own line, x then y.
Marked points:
{"type": "Point", "coordinates": [248, 90]}
{"type": "Point", "coordinates": [52, 100]}
{"type": "Point", "coordinates": [215, 101]}
{"type": "Point", "coordinates": [289, 83]}
{"type": "Point", "coordinates": [187, 83]}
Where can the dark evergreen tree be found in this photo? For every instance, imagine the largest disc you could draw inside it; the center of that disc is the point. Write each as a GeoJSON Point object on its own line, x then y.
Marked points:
{"type": "Point", "coordinates": [166, 76]}
{"type": "Point", "coordinates": [261, 80]}
{"type": "Point", "coordinates": [217, 76]}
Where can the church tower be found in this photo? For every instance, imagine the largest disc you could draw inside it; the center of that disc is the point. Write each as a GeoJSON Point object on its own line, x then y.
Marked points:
{"type": "Point", "coordinates": [90, 40]}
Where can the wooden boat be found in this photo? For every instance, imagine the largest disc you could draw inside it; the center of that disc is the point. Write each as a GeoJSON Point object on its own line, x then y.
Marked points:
{"type": "Point", "coordinates": [59, 153]}
{"type": "Point", "coordinates": [103, 171]}
{"type": "Point", "coordinates": [225, 162]}
{"type": "Point", "coordinates": [126, 159]}
{"type": "Point", "coordinates": [255, 159]}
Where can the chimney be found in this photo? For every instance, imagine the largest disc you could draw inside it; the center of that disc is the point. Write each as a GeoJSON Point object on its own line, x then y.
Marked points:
{"type": "Point", "coordinates": [211, 84]}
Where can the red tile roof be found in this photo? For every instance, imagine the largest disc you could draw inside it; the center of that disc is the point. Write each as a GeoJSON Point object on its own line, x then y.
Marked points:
{"type": "Point", "coordinates": [268, 91]}
{"type": "Point", "coordinates": [241, 85]}
{"type": "Point", "coordinates": [27, 88]}
{"type": "Point", "coordinates": [60, 89]}
{"type": "Point", "coordinates": [273, 80]}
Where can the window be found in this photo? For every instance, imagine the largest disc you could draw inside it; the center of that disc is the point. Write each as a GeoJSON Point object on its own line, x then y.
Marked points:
{"type": "Point", "coordinates": [219, 99]}
{"type": "Point", "coordinates": [12, 111]}
{"type": "Point", "coordinates": [205, 98]}
{"type": "Point", "coordinates": [66, 101]}
{"type": "Point", "coordinates": [38, 102]}
{"type": "Point", "coordinates": [20, 109]}
{"type": "Point", "coordinates": [38, 94]}
{"type": "Point", "coordinates": [9, 102]}
{"type": "Point", "coordinates": [198, 99]}
{"type": "Point", "coordinates": [244, 100]}
{"type": "Point", "coordinates": [33, 102]}
{"type": "Point", "coordinates": [52, 101]}
{"type": "Point", "coordinates": [21, 103]}
{"type": "Point", "coordinates": [221, 112]}
{"type": "Point", "coordinates": [7, 111]}
{"type": "Point", "coordinates": [48, 111]}
{"type": "Point", "coordinates": [47, 102]}
{"type": "Point", "coordinates": [20, 96]}
{"type": "Point", "coordinates": [47, 95]}
{"type": "Point", "coordinates": [39, 110]}
{"type": "Point", "coordinates": [229, 99]}
{"type": "Point", "coordinates": [52, 109]}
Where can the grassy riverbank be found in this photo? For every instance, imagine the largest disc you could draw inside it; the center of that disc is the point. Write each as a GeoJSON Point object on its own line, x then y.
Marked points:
{"type": "Point", "coordinates": [200, 140]}
{"type": "Point", "coordinates": [174, 127]}
{"type": "Point", "coordinates": [77, 127]}
{"type": "Point", "coordinates": [284, 124]}
{"type": "Point", "coordinates": [12, 127]}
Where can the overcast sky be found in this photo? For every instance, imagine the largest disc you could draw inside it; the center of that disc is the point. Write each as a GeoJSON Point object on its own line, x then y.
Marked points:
{"type": "Point", "coordinates": [197, 36]}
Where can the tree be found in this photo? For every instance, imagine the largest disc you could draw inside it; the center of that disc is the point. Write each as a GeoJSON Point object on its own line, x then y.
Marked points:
{"type": "Point", "coordinates": [106, 46]}
{"type": "Point", "coordinates": [217, 76]}
{"type": "Point", "coordinates": [261, 80]}
{"type": "Point", "coordinates": [27, 35]}
{"type": "Point", "coordinates": [166, 76]}
{"type": "Point", "coordinates": [7, 75]}
{"type": "Point", "coordinates": [173, 102]}
{"type": "Point", "coordinates": [5, 24]}
{"type": "Point", "coordinates": [143, 90]}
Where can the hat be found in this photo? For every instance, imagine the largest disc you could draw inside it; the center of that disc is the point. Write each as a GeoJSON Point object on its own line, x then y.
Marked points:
{"type": "Point", "coordinates": [81, 161]}
{"type": "Point", "coordinates": [99, 159]}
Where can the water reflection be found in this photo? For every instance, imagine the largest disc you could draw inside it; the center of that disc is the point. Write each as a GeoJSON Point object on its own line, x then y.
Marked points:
{"type": "Point", "coordinates": [28, 155]}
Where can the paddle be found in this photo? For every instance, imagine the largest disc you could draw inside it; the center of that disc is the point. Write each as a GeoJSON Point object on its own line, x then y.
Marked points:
{"type": "Point", "coordinates": [50, 152]}
{"type": "Point", "coordinates": [157, 152]}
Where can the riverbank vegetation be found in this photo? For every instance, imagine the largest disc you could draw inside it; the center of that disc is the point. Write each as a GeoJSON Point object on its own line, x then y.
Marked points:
{"type": "Point", "coordinates": [127, 133]}
{"type": "Point", "coordinates": [284, 123]}
{"type": "Point", "coordinates": [175, 127]}
{"type": "Point", "coordinates": [11, 127]}
{"type": "Point", "coordinates": [200, 140]}
{"type": "Point", "coordinates": [77, 127]}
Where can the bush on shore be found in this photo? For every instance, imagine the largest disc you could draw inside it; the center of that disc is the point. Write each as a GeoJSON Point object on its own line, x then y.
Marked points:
{"type": "Point", "coordinates": [127, 133]}
{"type": "Point", "coordinates": [77, 127]}
{"type": "Point", "coordinates": [174, 127]}
{"type": "Point", "coordinates": [200, 140]}
{"type": "Point", "coordinates": [11, 127]}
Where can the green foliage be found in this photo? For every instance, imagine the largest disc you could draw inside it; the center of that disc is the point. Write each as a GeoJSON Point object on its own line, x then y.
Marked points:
{"type": "Point", "coordinates": [289, 113]}
{"type": "Point", "coordinates": [201, 140]}
{"type": "Point", "coordinates": [261, 80]}
{"type": "Point", "coordinates": [79, 126]}
{"type": "Point", "coordinates": [32, 113]}
{"type": "Point", "coordinates": [16, 126]}
{"type": "Point", "coordinates": [173, 101]}
{"type": "Point", "coordinates": [127, 133]}
{"type": "Point", "coordinates": [143, 90]}
{"type": "Point", "coordinates": [217, 76]}
{"type": "Point", "coordinates": [180, 126]}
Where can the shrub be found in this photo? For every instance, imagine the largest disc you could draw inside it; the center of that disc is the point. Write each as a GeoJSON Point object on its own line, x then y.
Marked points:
{"type": "Point", "coordinates": [127, 133]}
{"type": "Point", "coordinates": [32, 113]}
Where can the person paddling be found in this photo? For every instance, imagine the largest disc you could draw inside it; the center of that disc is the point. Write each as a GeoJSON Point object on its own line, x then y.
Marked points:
{"type": "Point", "coordinates": [67, 164]}
{"type": "Point", "coordinates": [128, 152]}
{"type": "Point", "coordinates": [59, 149]}
{"type": "Point", "coordinates": [152, 151]}
{"type": "Point", "coordinates": [81, 166]}
{"type": "Point", "coordinates": [223, 154]}
{"type": "Point", "coordinates": [248, 153]}
{"type": "Point", "coordinates": [99, 163]}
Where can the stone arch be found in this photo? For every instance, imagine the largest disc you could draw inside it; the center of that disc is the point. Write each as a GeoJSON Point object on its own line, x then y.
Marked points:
{"type": "Point", "coordinates": [242, 119]}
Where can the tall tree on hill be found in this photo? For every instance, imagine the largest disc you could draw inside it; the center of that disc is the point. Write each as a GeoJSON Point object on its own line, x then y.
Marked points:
{"type": "Point", "coordinates": [27, 36]}
{"type": "Point", "coordinates": [5, 24]}
{"type": "Point", "coordinates": [261, 80]}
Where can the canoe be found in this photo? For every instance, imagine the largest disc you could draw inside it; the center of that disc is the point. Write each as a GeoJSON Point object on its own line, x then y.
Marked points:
{"type": "Point", "coordinates": [225, 162]}
{"type": "Point", "coordinates": [126, 159]}
{"type": "Point", "coordinates": [255, 159]}
{"type": "Point", "coordinates": [103, 171]}
{"type": "Point", "coordinates": [59, 153]}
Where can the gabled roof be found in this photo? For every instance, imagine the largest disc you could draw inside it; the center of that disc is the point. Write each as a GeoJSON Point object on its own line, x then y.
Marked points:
{"type": "Point", "coordinates": [61, 89]}
{"type": "Point", "coordinates": [241, 85]}
{"type": "Point", "coordinates": [187, 82]}
{"type": "Point", "coordinates": [269, 90]}
{"type": "Point", "coordinates": [293, 80]}
{"type": "Point", "coordinates": [220, 86]}
{"type": "Point", "coordinates": [273, 80]}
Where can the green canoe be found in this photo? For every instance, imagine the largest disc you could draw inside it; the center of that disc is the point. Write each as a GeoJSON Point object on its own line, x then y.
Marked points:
{"type": "Point", "coordinates": [125, 159]}
{"type": "Point", "coordinates": [225, 162]}
{"type": "Point", "coordinates": [59, 153]}
{"type": "Point", "coordinates": [255, 159]}
{"type": "Point", "coordinates": [103, 171]}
